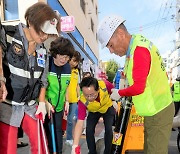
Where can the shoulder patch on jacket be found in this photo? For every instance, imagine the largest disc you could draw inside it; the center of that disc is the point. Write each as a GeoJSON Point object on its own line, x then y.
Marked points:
{"type": "Point", "coordinates": [17, 48]}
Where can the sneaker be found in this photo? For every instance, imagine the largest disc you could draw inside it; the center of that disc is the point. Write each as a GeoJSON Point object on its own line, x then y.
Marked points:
{"type": "Point", "coordinates": [69, 142]}
{"type": "Point", "coordinates": [21, 144]}
{"type": "Point", "coordinates": [84, 132]}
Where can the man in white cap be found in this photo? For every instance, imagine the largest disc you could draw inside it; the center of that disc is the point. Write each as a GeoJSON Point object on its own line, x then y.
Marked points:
{"type": "Point", "coordinates": [147, 79]}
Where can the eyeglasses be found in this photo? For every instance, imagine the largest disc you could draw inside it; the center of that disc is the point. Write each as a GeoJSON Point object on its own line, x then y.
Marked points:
{"type": "Point", "coordinates": [91, 96]}
{"type": "Point", "coordinates": [66, 57]}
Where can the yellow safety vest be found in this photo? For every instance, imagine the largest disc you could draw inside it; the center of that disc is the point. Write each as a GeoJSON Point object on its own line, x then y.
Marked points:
{"type": "Point", "coordinates": [105, 101]}
{"type": "Point", "coordinates": [72, 89]}
{"type": "Point", "coordinates": [156, 95]}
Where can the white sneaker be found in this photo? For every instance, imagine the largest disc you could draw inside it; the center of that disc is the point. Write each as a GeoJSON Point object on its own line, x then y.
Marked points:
{"type": "Point", "coordinates": [84, 132]}
{"type": "Point", "coordinates": [69, 142]}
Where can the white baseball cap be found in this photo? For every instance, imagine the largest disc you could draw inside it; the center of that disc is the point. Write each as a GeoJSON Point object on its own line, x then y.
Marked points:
{"type": "Point", "coordinates": [107, 27]}
{"type": "Point", "coordinates": [49, 27]}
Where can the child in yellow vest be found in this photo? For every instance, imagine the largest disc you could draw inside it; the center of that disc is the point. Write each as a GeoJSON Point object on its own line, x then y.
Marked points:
{"type": "Point", "coordinates": [73, 94]}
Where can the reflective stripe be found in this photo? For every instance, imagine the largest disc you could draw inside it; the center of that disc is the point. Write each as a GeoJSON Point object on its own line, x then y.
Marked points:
{"type": "Point", "coordinates": [64, 75]}
{"type": "Point", "coordinates": [52, 73]}
{"type": "Point", "coordinates": [19, 72]}
{"type": "Point", "coordinates": [32, 102]}
{"type": "Point", "coordinates": [16, 103]}
{"type": "Point", "coordinates": [17, 41]}
{"type": "Point", "coordinates": [23, 73]}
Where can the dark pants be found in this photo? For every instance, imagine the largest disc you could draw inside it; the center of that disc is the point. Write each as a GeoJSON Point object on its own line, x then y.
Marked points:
{"type": "Point", "coordinates": [20, 132]}
{"type": "Point", "coordinates": [57, 116]}
{"type": "Point", "coordinates": [177, 107]}
{"type": "Point", "coordinates": [92, 120]}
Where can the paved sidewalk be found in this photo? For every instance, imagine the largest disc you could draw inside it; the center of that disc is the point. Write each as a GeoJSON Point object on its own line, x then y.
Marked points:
{"type": "Point", "coordinates": [98, 135]}
{"type": "Point", "coordinates": [66, 148]}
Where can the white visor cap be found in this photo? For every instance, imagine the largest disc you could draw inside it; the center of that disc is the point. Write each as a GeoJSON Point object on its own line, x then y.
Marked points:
{"type": "Point", "coordinates": [107, 27]}
{"type": "Point", "coordinates": [49, 27]}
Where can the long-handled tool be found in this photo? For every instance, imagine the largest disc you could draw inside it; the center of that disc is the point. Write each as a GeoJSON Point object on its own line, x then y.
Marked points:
{"type": "Point", "coordinates": [121, 126]}
{"type": "Point", "coordinates": [44, 137]}
{"type": "Point", "coordinates": [53, 134]}
{"type": "Point", "coordinates": [52, 129]}
{"type": "Point", "coordinates": [39, 139]}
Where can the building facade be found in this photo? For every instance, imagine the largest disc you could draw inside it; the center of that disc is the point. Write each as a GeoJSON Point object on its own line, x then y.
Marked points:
{"type": "Point", "coordinates": [172, 64]}
{"type": "Point", "coordinates": [172, 59]}
{"type": "Point", "coordinates": [85, 12]}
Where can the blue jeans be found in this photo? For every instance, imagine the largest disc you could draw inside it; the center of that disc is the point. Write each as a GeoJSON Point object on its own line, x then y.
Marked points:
{"type": "Point", "coordinates": [72, 113]}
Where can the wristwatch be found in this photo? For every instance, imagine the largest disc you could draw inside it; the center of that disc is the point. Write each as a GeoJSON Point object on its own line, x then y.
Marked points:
{"type": "Point", "coordinates": [2, 78]}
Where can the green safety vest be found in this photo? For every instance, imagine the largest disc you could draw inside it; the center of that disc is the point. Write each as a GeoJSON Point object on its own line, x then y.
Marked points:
{"type": "Point", "coordinates": [156, 95]}
{"type": "Point", "coordinates": [56, 89]}
{"type": "Point", "coordinates": [176, 94]}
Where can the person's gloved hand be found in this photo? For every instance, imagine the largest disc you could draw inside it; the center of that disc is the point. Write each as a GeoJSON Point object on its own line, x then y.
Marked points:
{"type": "Point", "coordinates": [115, 95]}
{"type": "Point", "coordinates": [49, 108]}
{"type": "Point", "coordinates": [41, 111]}
{"type": "Point", "coordinates": [76, 149]}
{"type": "Point", "coordinates": [115, 105]}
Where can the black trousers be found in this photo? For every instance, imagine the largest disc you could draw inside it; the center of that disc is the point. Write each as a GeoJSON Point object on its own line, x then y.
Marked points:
{"type": "Point", "coordinates": [57, 117]}
{"type": "Point", "coordinates": [177, 107]}
{"type": "Point", "coordinates": [20, 132]}
{"type": "Point", "coordinates": [92, 120]}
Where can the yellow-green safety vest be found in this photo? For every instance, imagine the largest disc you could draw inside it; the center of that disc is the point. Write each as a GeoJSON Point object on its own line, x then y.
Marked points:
{"type": "Point", "coordinates": [156, 95]}
{"type": "Point", "coordinates": [176, 94]}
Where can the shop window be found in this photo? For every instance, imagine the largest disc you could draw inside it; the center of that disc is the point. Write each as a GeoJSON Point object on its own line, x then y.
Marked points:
{"type": "Point", "coordinates": [11, 10]}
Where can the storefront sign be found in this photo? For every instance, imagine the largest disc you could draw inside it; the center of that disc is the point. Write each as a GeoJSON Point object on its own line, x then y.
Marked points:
{"type": "Point", "coordinates": [67, 24]}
